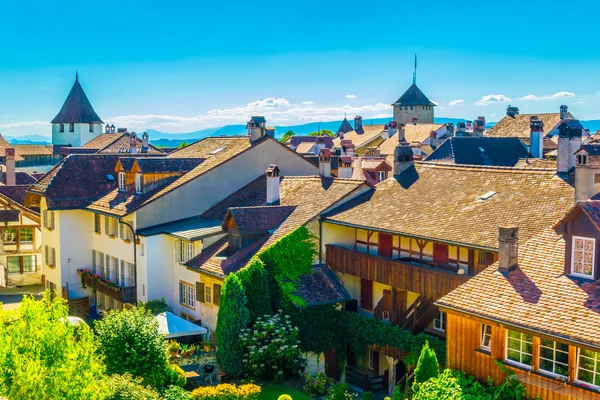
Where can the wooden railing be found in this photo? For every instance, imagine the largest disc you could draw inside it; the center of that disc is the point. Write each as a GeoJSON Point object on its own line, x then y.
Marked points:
{"type": "Point", "coordinates": [122, 294]}
{"type": "Point", "coordinates": [428, 281]}
{"type": "Point", "coordinates": [419, 314]}
{"type": "Point", "coordinates": [366, 380]}
{"type": "Point", "coordinates": [389, 308]}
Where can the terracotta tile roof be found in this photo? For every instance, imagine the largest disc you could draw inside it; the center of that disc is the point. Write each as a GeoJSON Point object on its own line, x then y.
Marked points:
{"type": "Point", "coordinates": [536, 163]}
{"type": "Point", "coordinates": [21, 178]}
{"type": "Point", "coordinates": [321, 287]}
{"type": "Point", "coordinates": [164, 165]}
{"type": "Point", "coordinates": [412, 133]}
{"type": "Point", "coordinates": [4, 145]}
{"type": "Point", "coordinates": [443, 202]}
{"type": "Point", "coordinates": [115, 143]}
{"type": "Point", "coordinates": [370, 133]}
{"type": "Point", "coordinates": [33, 149]}
{"type": "Point", "coordinates": [297, 140]}
{"type": "Point", "coordinates": [308, 196]}
{"type": "Point", "coordinates": [261, 218]}
{"type": "Point", "coordinates": [304, 147]}
{"type": "Point", "coordinates": [498, 151]}
{"type": "Point", "coordinates": [16, 193]}
{"type": "Point", "coordinates": [519, 126]}
{"type": "Point", "coordinates": [366, 169]}
{"type": "Point", "coordinates": [536, 295]}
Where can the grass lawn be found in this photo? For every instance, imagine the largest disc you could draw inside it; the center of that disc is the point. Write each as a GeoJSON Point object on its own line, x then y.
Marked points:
{"type": "Point", "coordinates": [272, 392]}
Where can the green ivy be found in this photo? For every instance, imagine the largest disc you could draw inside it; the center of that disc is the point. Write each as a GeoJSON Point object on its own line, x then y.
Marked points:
{"type": "Point", "coordinates": [255, 279]}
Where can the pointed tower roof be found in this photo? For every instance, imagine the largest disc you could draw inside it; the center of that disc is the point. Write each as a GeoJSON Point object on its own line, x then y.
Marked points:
{"type": "Point", "coordinates": [345, 127]}
{"type": "Point", "coordinates": [77, 108]}
{"type": "Point", "coordinates": [413, 97]}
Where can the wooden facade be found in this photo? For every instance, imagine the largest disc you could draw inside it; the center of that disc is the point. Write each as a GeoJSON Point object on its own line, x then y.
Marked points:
{"type": "Point", "coordinates": [427, 281]}
{"type": "Point", "coordinates": [464, 353]}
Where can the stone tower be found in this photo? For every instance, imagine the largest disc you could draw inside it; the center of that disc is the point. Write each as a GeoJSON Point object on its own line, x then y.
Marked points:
{"type": "Point", "coordinates": [76, 123]}
{"type": "Point", "coordinates": [413, 104]}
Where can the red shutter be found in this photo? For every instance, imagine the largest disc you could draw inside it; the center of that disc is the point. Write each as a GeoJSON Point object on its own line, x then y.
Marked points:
{"type": "Point", "coordinates": [440, 253]}
{"type": "Point", "coordinates": [385, 245]}
{"type": "Point", "coordinates": [366, 294]}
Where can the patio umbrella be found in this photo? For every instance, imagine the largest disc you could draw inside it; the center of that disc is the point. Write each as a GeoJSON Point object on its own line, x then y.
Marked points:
{"type": "Point", "coordinates": [173, 326]}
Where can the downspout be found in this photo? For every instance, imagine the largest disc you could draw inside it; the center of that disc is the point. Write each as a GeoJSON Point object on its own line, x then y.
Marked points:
{"type": "Point", "coordinates": [320, 241]}
{"type": "Point", "coordinates": [135, 239]}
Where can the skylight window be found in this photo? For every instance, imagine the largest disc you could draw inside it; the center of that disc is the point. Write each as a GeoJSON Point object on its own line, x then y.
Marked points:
{"type": "Point", "coordinates": [220, 149]}
{"type": "Point", "coordinates": [481, 149]}
{"type": "Point", "coordinates": [488, 195]}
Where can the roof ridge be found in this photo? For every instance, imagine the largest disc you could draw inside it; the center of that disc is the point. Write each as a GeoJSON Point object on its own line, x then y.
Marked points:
{"type": "Point", "coordinates": [495, 168]}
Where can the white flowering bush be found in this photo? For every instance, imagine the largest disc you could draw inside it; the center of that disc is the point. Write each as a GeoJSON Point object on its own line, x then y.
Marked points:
{"type": "Point", "coordinates": [271, 348]}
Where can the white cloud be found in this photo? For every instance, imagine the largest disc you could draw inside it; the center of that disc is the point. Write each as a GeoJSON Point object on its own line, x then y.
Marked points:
{"type": "Point", "coordinates": [350, 96]}
{"type": "Point", "coordinates": [28, 124]}
{"type": "Point", "coordinates": [492, 98]}
{"type": "Point", "coordinates": [554, 96]}
{"type": "Point", "coordinates": [307, 102]}
{"type": "Point", "coordinates": [437, 103]}
{"type": "Point", "coordinates": [456, 102]}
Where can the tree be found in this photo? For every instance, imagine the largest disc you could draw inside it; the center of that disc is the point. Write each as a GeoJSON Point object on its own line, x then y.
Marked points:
{"type": "Point", "coordinates": [126, 387]}
{"type": "Point", "coordinates": [182, 145]}
{"type": "Point", "coordinates": [131, 343]}
{"type": "Point", "coordinates": [43, 356]}
{"type": "Point", "coordinates": [322, 132]}
{"type": "Point", "coordinates": [156, 306]}
{"type": "Point", "coordinates": [287, 135]}
{"type": "Point", "coordinates": [428, 366]}
{"type": "Point", "coordinates": [233, 317]}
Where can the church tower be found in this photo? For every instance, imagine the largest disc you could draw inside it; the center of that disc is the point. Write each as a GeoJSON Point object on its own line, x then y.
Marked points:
{"type": "Point", "coordinates": [76, 123]}
{"type": "Point", "coordinates": [413, 106]}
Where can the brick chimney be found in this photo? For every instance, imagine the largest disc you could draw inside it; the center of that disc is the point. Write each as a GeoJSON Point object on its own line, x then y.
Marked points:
{"type": "Point", "coordinates": [564, 112]}
{"type": "Point", "coordinates": [569, 141]}
{"type": "Point", "coordinates": [357, 123]}
{"type": "Point", "coordinates": [145, 142]}
{"type": "Point", "coordinates": [508, 248]}
{"type": "Point", "coordinates": [11, 175]}
{"type": "Point", "coordinates": [512, 111]}
{"type": "Point", "coordinates": [272, 184]}
{"type": "Point", "coordinates": [403, 158]}
{"type": "Point", "coordinates": [133, 143]}
{"type": "Point", "coordinates": [536, 137]}
{"type": "Point", "coordinates": [325, 163]}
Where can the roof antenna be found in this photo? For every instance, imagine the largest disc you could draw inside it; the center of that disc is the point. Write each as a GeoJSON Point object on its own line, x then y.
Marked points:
{"type": "Point", "coordinates": [415, 73]}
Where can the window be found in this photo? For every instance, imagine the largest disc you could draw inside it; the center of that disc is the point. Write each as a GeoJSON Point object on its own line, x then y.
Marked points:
{"type": "Point", "coordinates": [9, 235]}
{"type": "Point", "coordinates": [122, 182]}
{"type": "Point", "coordinates": [97, 223]}
{"type": "Point", "coordinates": [92, 128]}
{"type": "Point", "coordinates": [50, 256]}
{"type": "Point", "coordinates": [101, 264]}
{"type": "Point", "coordinates": [184, 251]}
{"type": "Point", "coordinates": [48, 219]}
{"type": "Point", "coordinates": [61, 128]}
{"type": "Point", "coordinates": [217, 295]}
{"type": "Point", "coordinates": [519, 348]}
{"type": "Point", "coordinates": [208, 294]}
{"type": "Point", "coordinates": [71, 127]}
{"type": "Point", "coordinates": [554, 357]}
{"type": "Point", "coordinates": [26, 235]}
{"type": "Point", "coordinates": [588, 367]}
{"type": "Point", "coordinates": [582, 256]}
{"type": "Point", "coordinates": [371, 359]}
{"type": "Point", "coordinates": [138, 183]}
{"type": "Point", "coordinates": [114, 271]}
{"type": "Point", "coordinates": [186, 294]}
{"type": "Point", "coordinates": [382, 176]}
{"type": "Point", "coordinates": [439, 322]}
{"type": "Point", "coordinates": [14, 264]}
{"type": "Point", "coordinates": [486, 336]}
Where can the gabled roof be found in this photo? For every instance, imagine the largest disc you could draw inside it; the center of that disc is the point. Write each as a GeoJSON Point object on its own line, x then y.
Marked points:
{"type": "Point", "coordinates": [107, 143]}
{"type": "Point", "coordinates": [344, 127]}
{"type": "Point", "coordinates": [446, 203]}
{"type": "Point", "coordinates": [4, 145]}
{"type": "Point", "coordinates": [590, 207]}
{"type": "Point", "coordinates": [321, 287]}
{"type": "Point", "coordinates": [413, 97]}
{"type": "Point", "coordinates": [295, 141]}
{"type": "Point", "coordinates": [166, 165]}
{"type": "Point", "coordinates": [190, 229]}
{"type": "Point", "coordinates": [536, 295]}
{"type": "Point", "coordinates": [367, 135]}
{"type": "Point", "coordinates": [16, 193]}
{"type": "Point", "coordinates": [77, 108]}
{"type": "Point", "coordinates": [497, 151]}
{"type": "Point", "coordinates": [412, 133]}
{"type": "Point", "coordinates": [261, 218]}
{"type": "Point", "coordinates": [519, 126]}
{"type": "Point", "coordinates": [33, 149]}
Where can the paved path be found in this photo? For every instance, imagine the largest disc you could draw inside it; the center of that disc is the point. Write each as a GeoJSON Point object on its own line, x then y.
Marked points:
{"type": "Point", "coordinates": [10, 298]}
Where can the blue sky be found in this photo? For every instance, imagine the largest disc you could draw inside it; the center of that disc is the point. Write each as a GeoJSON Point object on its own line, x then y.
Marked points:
{"type": "Point", "coordinates": [186, 65]}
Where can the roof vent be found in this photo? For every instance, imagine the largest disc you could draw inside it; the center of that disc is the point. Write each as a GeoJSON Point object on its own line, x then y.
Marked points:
{"type": "Point", "coordinates": [488, 195]}
{"type": "Point", "coordinates": [212, 153]}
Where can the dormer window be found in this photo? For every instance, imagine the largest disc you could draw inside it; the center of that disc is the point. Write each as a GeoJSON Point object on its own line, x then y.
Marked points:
{"type": "Point", "coordinates": [381, 176]}
{"type": "Point", "coordinates": [581, 159]}
{"type": "Point", "coordinates": [122, 185]}
{"type": "Point", "coordinates": [583, 256]}
{"type": "Point", "coordinates": [138, 183]}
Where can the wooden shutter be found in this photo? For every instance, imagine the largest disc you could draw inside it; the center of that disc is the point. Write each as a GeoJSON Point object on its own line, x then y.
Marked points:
{"type": "Point", "coordinates": [177, 250]}
{"type": "Point", "coordinates": [53, 257]}
{"type": "Point", "coordinates": [366, 294]}
{"type": "Point", "coordinates": [200, 292]}
{"type": "Point", "coordinates": [489, 258]}
{"type": "Point", "coordinates": [46, 257]}
{"type": "Point", "coordinates": [52, 219]}
{"type": "Point", "coordinates": [440, 253]}
{"type": "Point", "coordinates": [94, 261]}
{"type": "Point", "coordinates": [106, 225]}
{"type": "Point", "coordinates": [384, 247]}
{"type": "Point", "coordinates": [217, 295]}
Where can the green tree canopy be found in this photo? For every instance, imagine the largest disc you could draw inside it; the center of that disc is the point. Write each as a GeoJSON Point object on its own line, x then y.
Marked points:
{"type": "Point", "coordinates": [322, 132]}
{"type": "Point", "coordinates": [427, 366]}
{"type": "Point", "coordinates": [287, 135]}
{"type": "Point", "coordinates": [43, 356]}
{"type": "Point", "coordinates": [131, 343]}
{"type": "Point", "coordinates": [183, 144]}
{"type": "Point", "coordinates": [233, 317]}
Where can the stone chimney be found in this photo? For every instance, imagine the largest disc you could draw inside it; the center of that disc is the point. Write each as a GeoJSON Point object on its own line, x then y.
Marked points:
{"type": "Point", "coordinates": [449, 129]}
{"type": "Point", "coordinates": [587, 167]}
{"type": "Point", "coordinates": [11, 175]}
{"type": "Point", "coordinates": [272, 184]}
{"type": "Point", "coordinates": [469, 126]}
{"type": "Point", "coordinates": [325, 163]}
{"type": "Point", "coordinates": [403, 158]}
{"type": "Point", "coordinates": [564, 112]}
{"type": "Point", "coordinates": [256, 128]}
{"type": "Point", "coordinates": [345, 167]}
{"type": "Point", "coordinates": [433, 139]}
{"type": "Point", "coordinates": [401, 133]}
{"type": "Point", "coordinates": [569, 141]}
{"type": "Point", "coordinates": [357, 123]}
{"type": "Point", "coordinates": [512, 111]}
{"type": "Point", "coordinates": [508, 248]}
{"type": "Point", "coordinates": [479, 127]}
{"type": "Point", "coordinates": [461, 129]}
{"type": "Point", "coordinates": [133, 143]}
{"type": "Point", "coordinates": [536, 137]}
{"type": "Point", "coordinates": [145, 142]}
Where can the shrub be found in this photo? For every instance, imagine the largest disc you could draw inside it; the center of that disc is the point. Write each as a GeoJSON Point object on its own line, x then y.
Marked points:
{"type": "Point", "coordinates": [341, 392]}
{"type": "Point", "coordinates": [271, 349]}
{"type": "Point", "coordinates": [232, 319]}
{"type": "Point", "coordinates": [227, 391]}
{"type": "Point", "coordinates": [284, 397]}
{"type": "Point", "coordinates": [176, 393]}
{"type": "Point", "coordinates": [175, 376]}
{"type": "Point", "coordinates": [367, 396]}
{"type": "Point", "coordinates": [317, 384]}
{"type": "Point", "coordinates": [428, 366]}
{"type": "Point", "coordinates": [126, 387]}
{"type": "Point", "coordinates": [255, 279]}
{"type": "Point", "coordinates": [131, 343]}
{"type": "Point", "coordinates": [156, 306]}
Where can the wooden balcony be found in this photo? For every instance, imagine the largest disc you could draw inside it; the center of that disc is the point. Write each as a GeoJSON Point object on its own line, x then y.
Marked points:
{"type": "Point", "coordinates": [429, 281]}
{"type": "Point", "coordinates": [123, 294]}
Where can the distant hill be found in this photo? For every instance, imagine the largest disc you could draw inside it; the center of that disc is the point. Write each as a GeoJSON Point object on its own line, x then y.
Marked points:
{"type": "Point", "coordinates": [28, 139]}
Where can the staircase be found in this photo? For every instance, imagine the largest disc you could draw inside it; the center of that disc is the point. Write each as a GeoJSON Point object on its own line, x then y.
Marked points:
{"type": "Point", "coordinates": [419, 315]}
{"type": "Point", "coordinates": [364, 380]}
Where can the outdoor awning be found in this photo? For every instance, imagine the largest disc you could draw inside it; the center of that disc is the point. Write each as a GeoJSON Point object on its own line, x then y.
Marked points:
{"type": "Point", "coordinates": [173, 326]}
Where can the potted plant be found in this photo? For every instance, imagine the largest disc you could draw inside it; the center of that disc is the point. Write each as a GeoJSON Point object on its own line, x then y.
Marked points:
{"type": "Point", "coordinates": [207, 346]}
{"type": "Point", "coordinates": [174, 348]}
{"type": "Point", "coordinates": [186, 350]}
